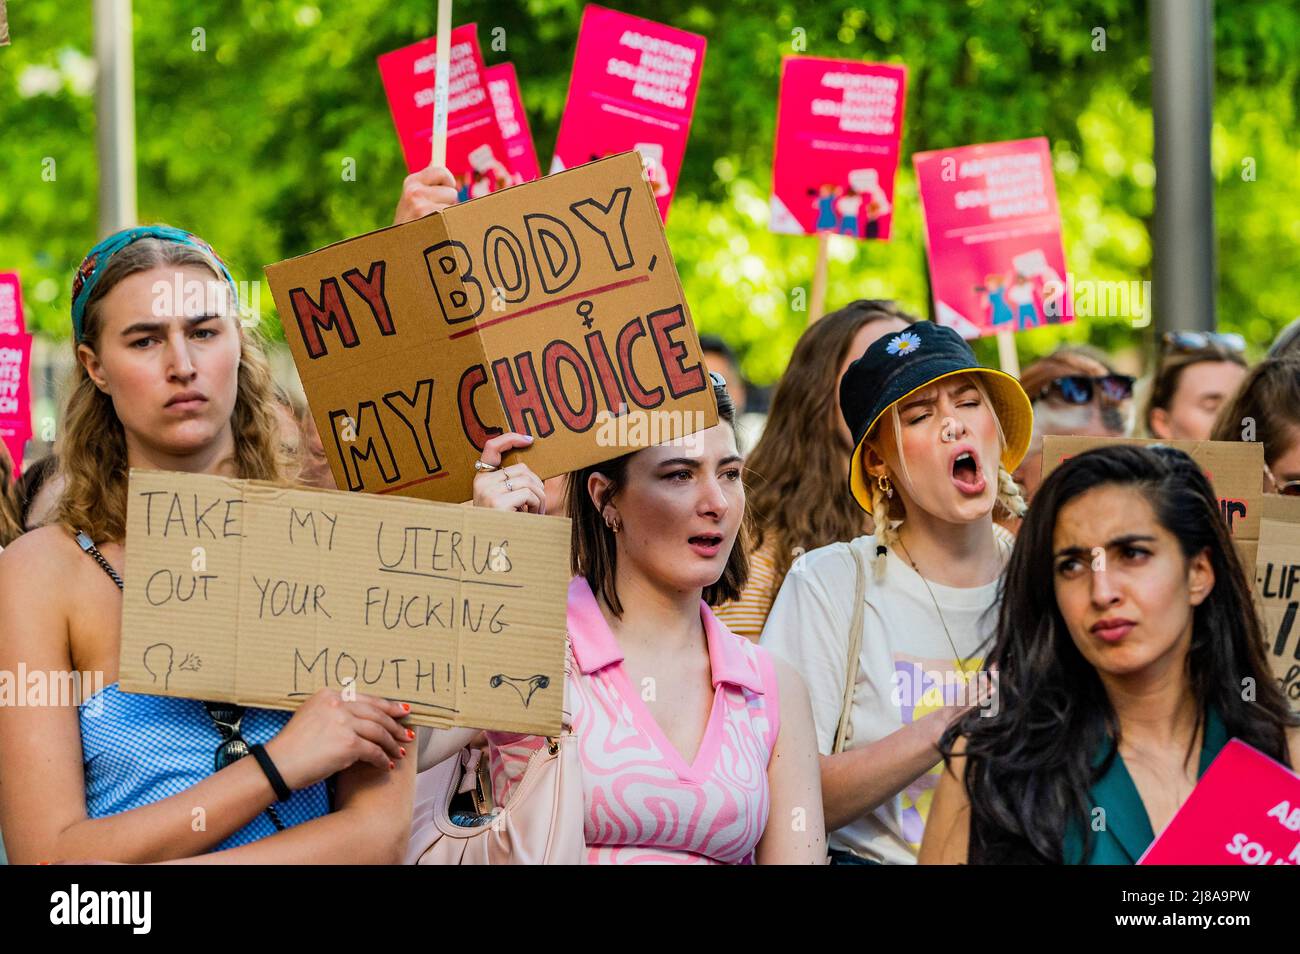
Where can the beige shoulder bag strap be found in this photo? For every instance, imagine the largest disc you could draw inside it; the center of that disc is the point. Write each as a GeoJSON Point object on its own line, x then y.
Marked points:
{"type": "Point", "coordinates": [843, 732]}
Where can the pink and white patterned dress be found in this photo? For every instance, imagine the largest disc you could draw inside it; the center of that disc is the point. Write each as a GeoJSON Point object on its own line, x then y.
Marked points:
{"type": "Point", "coordinates": [643, 803]}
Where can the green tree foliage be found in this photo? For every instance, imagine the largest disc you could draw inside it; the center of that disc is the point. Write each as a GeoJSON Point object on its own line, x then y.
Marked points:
{"type": "Point", "coordinates": [246, 111]}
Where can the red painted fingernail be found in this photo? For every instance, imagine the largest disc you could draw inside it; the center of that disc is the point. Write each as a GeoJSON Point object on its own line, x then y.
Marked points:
{"type": "Point", "coordinates": [402, 750]}
{"type": "Point", "coordinates": [406, 706]}
{"type": "Point", "coordinates": [409, 735]}
{"type": "Point", "coordinates": [391, 765]}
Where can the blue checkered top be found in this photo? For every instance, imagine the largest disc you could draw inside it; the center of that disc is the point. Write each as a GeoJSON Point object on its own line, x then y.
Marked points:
{"type": "Point", "coordinates": [139, 749]}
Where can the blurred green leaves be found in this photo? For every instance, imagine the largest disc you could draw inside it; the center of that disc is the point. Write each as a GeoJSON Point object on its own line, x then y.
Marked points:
{"type": "Point", "coordinates": [244, 140]}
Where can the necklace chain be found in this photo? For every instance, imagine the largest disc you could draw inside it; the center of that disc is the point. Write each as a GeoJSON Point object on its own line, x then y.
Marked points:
{"type": "Point", "coordinates": [957, 657]}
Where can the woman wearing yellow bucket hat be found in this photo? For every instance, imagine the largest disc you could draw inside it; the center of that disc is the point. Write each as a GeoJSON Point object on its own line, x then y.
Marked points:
{"type": "Point", "coordinates": [892, 655]}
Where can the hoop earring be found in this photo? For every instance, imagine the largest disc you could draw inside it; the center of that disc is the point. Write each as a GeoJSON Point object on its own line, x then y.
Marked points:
{"type": "Point", "coordinates": [886, 487]}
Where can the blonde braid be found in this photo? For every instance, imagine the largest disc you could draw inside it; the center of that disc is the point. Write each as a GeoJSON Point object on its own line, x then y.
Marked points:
{"type": "Point", "coordinates": [886, 533]}
{"type": "Point", "coordinates": [1010, 495]}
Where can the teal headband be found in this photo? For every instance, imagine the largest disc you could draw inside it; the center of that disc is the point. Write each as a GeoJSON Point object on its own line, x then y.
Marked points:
{"type": "Point", "coordinates": [97, 259]}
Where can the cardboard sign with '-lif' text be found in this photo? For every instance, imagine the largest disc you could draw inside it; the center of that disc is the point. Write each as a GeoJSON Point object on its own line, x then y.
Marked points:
{"type": "Point", "coordinates": [551, 308]}
{"type": "Point", "coordinates": [1277, 584]}
{"type": "Point", "coordinates": [257, 594]}
{"type": "Point", "coordinates": [1235, 471]}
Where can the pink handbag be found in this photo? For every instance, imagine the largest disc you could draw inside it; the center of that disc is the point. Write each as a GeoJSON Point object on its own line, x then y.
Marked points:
{"type": "Point", "coordinates": [543, 823]}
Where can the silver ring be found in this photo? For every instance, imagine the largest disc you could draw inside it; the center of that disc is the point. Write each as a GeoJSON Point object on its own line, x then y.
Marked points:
{"type": "Point", "coordinates": [483, 467]}
{"type": "Point", "coordinates": [509, 486]}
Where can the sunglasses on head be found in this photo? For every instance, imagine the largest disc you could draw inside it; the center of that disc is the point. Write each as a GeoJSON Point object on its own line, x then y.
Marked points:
{"type": "Point", "coordinates": [1204, 341]}
{"type": "Point", "coordinates": [1080, 388]}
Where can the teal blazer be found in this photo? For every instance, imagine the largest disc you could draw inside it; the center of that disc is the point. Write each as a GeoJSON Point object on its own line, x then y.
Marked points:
{"type": "Point", "coordinates": [1127, 833]}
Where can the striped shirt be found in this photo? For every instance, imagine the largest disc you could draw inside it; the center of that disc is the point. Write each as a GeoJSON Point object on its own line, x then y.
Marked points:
{"type": "Point", "coordinates": [745, 616]}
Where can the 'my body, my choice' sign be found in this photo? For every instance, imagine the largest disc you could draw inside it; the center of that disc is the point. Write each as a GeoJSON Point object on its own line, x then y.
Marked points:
{"type": "Point", "coordinates": [552, 308]}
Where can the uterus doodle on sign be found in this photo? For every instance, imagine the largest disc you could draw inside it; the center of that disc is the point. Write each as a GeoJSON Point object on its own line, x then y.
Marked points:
{"type": "Point", "coordinates": [521, 683]}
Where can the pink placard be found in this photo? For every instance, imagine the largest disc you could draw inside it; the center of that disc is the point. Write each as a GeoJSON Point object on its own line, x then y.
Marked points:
{"type": "Point", "coordinates": [15, 394]}
{"type": "Point", "coordinates": [838, 127]}
{"type": "Point", "coordinates": [993, 237]}
{"type": "Point", "coordinates": [11, 304]}
{"type": "Point", "coordinates": [1244, 811]}
{"type": "Point", "coordinates": [633, 87]}
{"type": "Point", "coordinates": [521, 156]}
{"type": "Point", "coordinates": [476, 153]}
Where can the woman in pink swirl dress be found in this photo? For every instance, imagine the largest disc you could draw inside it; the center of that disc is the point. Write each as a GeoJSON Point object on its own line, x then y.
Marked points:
{"type": "Point", "coordinates": [697, 746]}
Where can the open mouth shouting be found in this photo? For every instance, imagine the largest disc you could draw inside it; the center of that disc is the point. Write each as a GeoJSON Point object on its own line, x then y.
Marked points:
{"type": "Point", "coordinates": [967, 475]}
{"type": "Point", "coordinates": [706, 544]}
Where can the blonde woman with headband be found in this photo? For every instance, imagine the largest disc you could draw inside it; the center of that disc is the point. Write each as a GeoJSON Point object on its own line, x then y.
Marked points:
{"type": "Point", "coordinates": [129, 777]}
{"type": "Point", "coordinates": [888, 630]}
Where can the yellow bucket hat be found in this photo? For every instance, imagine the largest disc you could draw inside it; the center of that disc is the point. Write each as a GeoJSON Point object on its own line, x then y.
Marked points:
{"type": "Point", "coordinates": [897, 366]}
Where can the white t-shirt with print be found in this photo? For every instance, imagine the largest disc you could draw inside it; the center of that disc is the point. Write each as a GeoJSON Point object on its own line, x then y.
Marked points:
{"type": "Point", "coordinates": [906, 667]}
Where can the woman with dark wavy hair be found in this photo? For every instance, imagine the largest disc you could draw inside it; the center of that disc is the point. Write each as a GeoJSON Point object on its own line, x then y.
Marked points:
{"type": "Point", "coordinates": [1119, 678]}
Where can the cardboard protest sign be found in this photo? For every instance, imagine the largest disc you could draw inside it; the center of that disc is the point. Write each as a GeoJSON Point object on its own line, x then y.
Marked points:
{"type": "Point", "coordinates": [15, 395]}
{"type": "Point", "coordinates": [521, 156]}
{"type": "Point", "coordinates": [258, 594]}
{"type": "Point", "coordinates": [552, 309]}
{"type": "Point", "coordinates": [993, 237]}
{"type": "Point", "coordinates": [1235, 471]}
{"type": "Point", "coordinates": [1245, 810]}
{"type": "Point", "coordinates": [1277, 583]}
{"type": "Point", "coordinates": [838, 128]}
{"type": "Point", "coordinates": [633, 87]}
{"type": "Point", "coordinates": [476, 153]}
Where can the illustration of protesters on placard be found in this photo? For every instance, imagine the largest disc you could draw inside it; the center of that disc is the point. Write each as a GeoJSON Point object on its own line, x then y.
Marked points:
{"type": "Point", "coordinates": [866, 182]}
{"type": "Point", "coordinates": [824, 202]}
{"type": "Point", "coordinates": [652, 157]}
{"type": "Point", "coordinates": [995, 299]}
{"type": "Point", "coordinates": [1048, 289]}
{"type": "Point", "coordinates": [490, 174]}
{"type": "Point", "coordinates": [840, 209]}
{"type": "Point", "coordinates": [1021, 294]}
{"type": "Point", "coordinates": [847, 207]}
{"type": "Point", "coordinates": [1026, 293]}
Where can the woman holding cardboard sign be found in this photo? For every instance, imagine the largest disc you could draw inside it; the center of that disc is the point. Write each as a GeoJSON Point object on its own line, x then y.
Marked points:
{"type": "Point", "coordinates": [695, 745]}
{"type": "Point", "coordinates": [891, 654]}
{"type": "Point", "coordinates": [137, 778]}
{"type": "Point", "coordinates": [1120, 677]}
